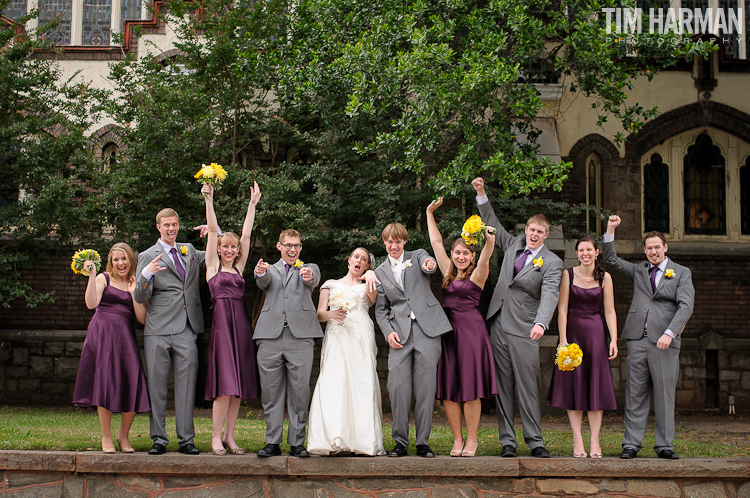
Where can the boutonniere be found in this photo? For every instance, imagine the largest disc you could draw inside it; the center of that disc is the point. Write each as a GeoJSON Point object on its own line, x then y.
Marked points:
{"type": "Point", "coordinates": [407, 264]}
{"type": "Point", "coordinates": [298, 264]}
{"type": "Point", "coordinates": [538, 262]}
{"type": "Point", "coordinates": [669, 273]}
{"type": "Point", "coordinates": [183, 250]}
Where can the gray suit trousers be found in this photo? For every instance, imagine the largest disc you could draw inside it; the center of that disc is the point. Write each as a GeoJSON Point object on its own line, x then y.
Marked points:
{"type": "Point", "coordinates": [285, 364]}
{"type": "Point", "coordinates": [516, 365]}
{"type": "Point", "coordinates": [650, 368]}
{"type": "Point", "coordinates": [161, 351]}
{"type": "Point", "coordinates": [413, 368]}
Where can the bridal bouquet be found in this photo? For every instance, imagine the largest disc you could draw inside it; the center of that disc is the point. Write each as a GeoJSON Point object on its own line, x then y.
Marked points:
{"type": "Point", "coordinates": [473, 230]}
{"type": "Point", "coordinates": [341, 300]}
{"type": "Point", "coordinates": [568, 357]}
{"type": "Point", "coordinates": [213, 174]}
{"type": "Point", "coordinates": [83, 255]}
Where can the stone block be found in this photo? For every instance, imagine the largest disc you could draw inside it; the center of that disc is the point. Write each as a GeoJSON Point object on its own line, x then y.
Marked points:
{"type": "Point", "coordinates": [739, 360]}
{"type": "Point", "coordinates": [684, 397]}
{"type": "Point", "coordinates": [575, 487]}
{"type": "Point", "coordinates": [663, 488]}
{"type": "Point", "coordinates": [54, 348]}
{"type": "Point", "coordinates": [66, 368]}
{"type": "Point", "coordinates": [73, 486]}
{"type": "Point", "coordinates": [612, 486]}
{"type": "Point", "coordinates": [100, 486]}
{"type": "Point", "coordinates": [510, 485]}
{"type": "Point", "coordinates": [744, 490]}
{"type": "Point", "coordinates": [29, 385]}
{"type": "Point", "coordinates": [40, 367]}
{"type": "Point", "coordinates": [73, 349]}
{"type": "Point", "coordinates": [746, 380]}
{"type": "Point", "coordinates": [311, 488]}
{"type": "Point", "coordinates": [47, 461]}
{"type": "Point", "coordinates": [187, 481]}
{"type": "Point", "coordinates": [11, 386]}
{"type": "Point", "coordinates": [18, 479]}
{"type": "Point", "coordinates": [5, 352]}
{"type": "Point", "coordinates": [53, 490]}
{"type": "Point", "coordinates": [446, 491]}
{"type": "Point", "coordinates": [705, 490]}
{"type": "Point", "coordinates": [245, 488]}
{"type": "Point", "coordinates": [20, 357]}
{"type": "Point", "coordinates": [729, 375]}
{"type": "Point", "coordinates": [36, 348]}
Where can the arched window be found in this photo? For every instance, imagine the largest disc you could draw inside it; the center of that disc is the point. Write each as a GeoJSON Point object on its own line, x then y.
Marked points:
{"type": "Point", "coordinates": [593, 191]}
{"type": "Point", "coordinates": [705, 205]}
{"type": "Point", "coordinates": [656, 195]}
{"type": "Point", "coordinates": [745, 198]}
{"type": "Point", "coordinates": [109, 154]}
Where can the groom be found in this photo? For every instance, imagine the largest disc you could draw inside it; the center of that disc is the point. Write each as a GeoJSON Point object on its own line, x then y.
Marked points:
{"type": "Point", "coordinates": [522, 305]}
{"type": "Point", "coordinates": [167, 277]}
{"type": "Point", "coordinates": [412, 322]}
{"type": "Point", "coordinates": [285, 333]}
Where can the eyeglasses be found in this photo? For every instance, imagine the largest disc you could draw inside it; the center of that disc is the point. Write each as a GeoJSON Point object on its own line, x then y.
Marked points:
{"type": "Point", "coordinates": [289, 247]}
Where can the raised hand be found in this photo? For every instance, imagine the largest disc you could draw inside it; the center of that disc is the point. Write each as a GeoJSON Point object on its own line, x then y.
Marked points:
{"type": "Point", "coordinates": [90, 267]}
{"type": "Point", "coordinates": [478, 184]}
{"type": "Point", "coordinates": [154, 267]}
{"type": "Point", "coordinates": [203, 229]}
{"type": "Point", "coordinates": [254, 194]}
{"type": "Point", "coordinates": [429, 264]}
{"type": "Point", "coordinates": [262, 267]}
{"type": "Point", "coordinates": [208, 191]}
{"type": "Point", "coordinates": [435, 204]}
{"type": "Point", "coordinates": [489, 235]}
{"type": "Point", "coordinates": [613, 222]}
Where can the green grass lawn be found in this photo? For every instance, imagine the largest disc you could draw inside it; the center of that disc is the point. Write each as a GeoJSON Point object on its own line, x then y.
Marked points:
{"type": "Point", "coordinates": [70, 429]}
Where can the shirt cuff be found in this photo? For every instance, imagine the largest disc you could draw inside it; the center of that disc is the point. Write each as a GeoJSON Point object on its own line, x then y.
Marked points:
{"type": "Point", "coordinates": [147, 274]}
{"type": "Point", "coordinates": [608, 237]}
{"type": "Point", "coordinates": [670, 333]}
{"type": "Point", "coordinates": [482, 199]}
{"type": "Point", "coordinates": [545, 328]}
{"type": "Point", "coordinates": [259, 275]}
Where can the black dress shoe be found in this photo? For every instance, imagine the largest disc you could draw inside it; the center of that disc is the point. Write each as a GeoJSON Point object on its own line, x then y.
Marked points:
{"type": "Point", "coordinates": [668, 454]}
{"type": "Point", "coordinates": [270, 450]}
{"type": "Point", "coordinates": [157, 449]}
{"type": "Point", "coordinates": [509, 451]}
{"type": "Point", "coordinates": [398, 451]}
{"type": "Point", "coordinates": [425, 451]}
{"type": "Point", "coordinates": [298, 451]}
{"type": "Point", "coordinates": [628, 454]}
{"type": "Point", "coordinates": [189, 449]}
{"type": "Point", "coordinates": [540, 452]}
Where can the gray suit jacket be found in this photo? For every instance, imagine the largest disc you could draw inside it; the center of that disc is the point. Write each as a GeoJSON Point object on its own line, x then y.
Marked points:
{"type": "Point", "coordinates": [394, 306]}
{"type": "Point", "coordinates": [669, 308]}
{"type": "Point", "coordinates": [531, 296]}
{"type": "Point", "coordinates": [288, 299]}
{"type": "Point", "coordinates": [167, 295]}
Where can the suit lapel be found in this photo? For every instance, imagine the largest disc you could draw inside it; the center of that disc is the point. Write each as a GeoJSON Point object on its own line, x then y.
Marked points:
{"type": "Point", "coordinates": [662, 279]}
{"type": "Point", "coordinates": [167, 258]}
{"type": "Point", "coordinates": [388, 272]}
{"type": "Point", "coordinates": [280, 266]}
{"type": "Point", "coordinates": [407, 257]}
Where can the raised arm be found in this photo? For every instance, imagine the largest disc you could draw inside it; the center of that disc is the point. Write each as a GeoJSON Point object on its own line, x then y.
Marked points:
{"type": "Point", "coordinates": [436, 239]}
{"type": "Point", "coordinates": [503, 239]}
{"type": "Point", "coordinates": [482, 270]}
{"type": "Point", "coordinates": [247, 227]}
{"type": "Point", "coordinates": [609, 254]}
{"type": "Point", "coordinates": [212, 256]}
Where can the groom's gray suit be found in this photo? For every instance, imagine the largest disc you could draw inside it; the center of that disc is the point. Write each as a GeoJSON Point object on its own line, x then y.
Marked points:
{"type": "Point", "coordinates": [518, 303]}
{"type": "Point", "coordinates": [648, 367]}
{"type": "Point", "coordinates": [285, 333]}
{"type": "Point", "coordinates": [174, 317]}
{"type": "Point", "coordinates": [414, 365]}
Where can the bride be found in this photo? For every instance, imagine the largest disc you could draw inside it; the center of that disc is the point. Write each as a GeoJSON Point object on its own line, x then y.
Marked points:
{"type": "Point", "coordinates": [345, 413]}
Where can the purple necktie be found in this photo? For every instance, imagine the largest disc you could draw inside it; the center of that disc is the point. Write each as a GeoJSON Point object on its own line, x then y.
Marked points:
{"type": "Point", "coordinates": [520, 262]}
{"type": "Point", "coordinates": [178, 263]}
{"type": "Point", "coordinates": [653, 271]}
{"type": "Point", "coordinates": [287, 265]}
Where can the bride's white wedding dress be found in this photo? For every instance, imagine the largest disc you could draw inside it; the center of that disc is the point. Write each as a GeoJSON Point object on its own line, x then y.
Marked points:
{"type": "Point", "coordinates": [345, 413]}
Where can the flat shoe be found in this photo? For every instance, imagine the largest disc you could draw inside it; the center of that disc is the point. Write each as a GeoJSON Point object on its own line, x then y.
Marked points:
{"type": "Point", "coordinates": [157, 449]}
{"type": "Point", "coordinates": [269, 450]}
{"type": "Point", "coordinates": [668, 454]}
{"type": "Point", "coordinates": [509, 451]}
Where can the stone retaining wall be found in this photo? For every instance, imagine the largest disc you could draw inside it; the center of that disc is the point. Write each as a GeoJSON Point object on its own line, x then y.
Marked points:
{"type": "Point", "coordinates": [93, 474]}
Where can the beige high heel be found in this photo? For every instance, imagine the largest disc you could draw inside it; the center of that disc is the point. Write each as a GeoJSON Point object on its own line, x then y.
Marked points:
{"type": "Point", "coordinates": [123, 448]}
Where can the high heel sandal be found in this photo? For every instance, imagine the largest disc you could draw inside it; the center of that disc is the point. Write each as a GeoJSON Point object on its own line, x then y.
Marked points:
{"type": "Point", "coordinates": [468, 453]}
{"type": "Point", "coordinates": [457, 453]}
{"type": "Point", "coordinates": [233, 451]}
{"type": "Point", "coordinates": [124, 449]}
{"type": "Point", "coordinates": [579, 455]}
{"type": "Point", "coordinates": [596, 455]}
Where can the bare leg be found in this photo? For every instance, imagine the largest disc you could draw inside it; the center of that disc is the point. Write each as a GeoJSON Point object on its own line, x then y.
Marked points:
{"type": "Point", "coordinates": [126, 420]}
{"type": "Point", "coordinates": [218, 414]}
{"type": "Point", "coordinates": [105, 419]}
{"type": "Point", "coordinates": [453, 412]}
{"type": "Point", "coordinates": [595, 422]}
{"type": "Point", "coordinates": [232, 412]}
{"type": "Point", "coordinates": [472, 414]}
{"type": "Point", "coordinates": [576, 421]}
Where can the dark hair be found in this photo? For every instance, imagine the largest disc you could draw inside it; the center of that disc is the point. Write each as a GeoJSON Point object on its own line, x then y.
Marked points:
{"type": "Point", "coordinates": [652, 234]}
{"type": "Point", "coordinates": [452, 270]}
{"type": "Point", "coordinates": [598, 270]}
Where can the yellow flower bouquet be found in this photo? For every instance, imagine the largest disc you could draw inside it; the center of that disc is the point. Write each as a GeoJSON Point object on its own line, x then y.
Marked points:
{"type": "Point", "coordinates": [473, 230]}
{"type": "Point", "coordinates": [83, 255]}
{"type": "Point", "coordinates": [213, 174]}
{"type": "Point", "coordinates": [568, 357]}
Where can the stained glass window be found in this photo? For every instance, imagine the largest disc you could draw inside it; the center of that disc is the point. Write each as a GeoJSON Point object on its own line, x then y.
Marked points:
{"type": "Point", "coordinates": [49, 10]}
{"type": "Point", "coordinates": [15, 9]}
{"type": "Point", "coordinates": [130, 9]}
{"type": "Point", "coordinates": [656, 195]}
{"type": "Point", "coordinates": [705, 205]}
{"type": "Point", "coordinates": [745, 198]}
{"type": "Point", "coordinates": [97, 16]}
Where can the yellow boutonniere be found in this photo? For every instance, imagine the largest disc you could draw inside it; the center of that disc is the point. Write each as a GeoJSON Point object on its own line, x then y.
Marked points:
{"type": "Point", "coordinates": [669, 273]}
{"type": "Point", "coordinates": [298, 264]}
{"type": "Point", "coordinates": [183, 250]}
{"type": "Point", "coordinates": [538, 262]}
{"type": "Point", "coordinates": [568, 357]}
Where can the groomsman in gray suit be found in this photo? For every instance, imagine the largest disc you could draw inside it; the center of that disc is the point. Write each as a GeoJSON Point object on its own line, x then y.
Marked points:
{"type": "Point", "coordinates": [167, 278]}
{"type": "Point", "coordinates": [663, 296]}
{"type": "Point", "coordinates": [285, 333]}
{"type": "Point", "coordinates": [522, 305]}
{"type": "Point", "coordinates": [412, 322]}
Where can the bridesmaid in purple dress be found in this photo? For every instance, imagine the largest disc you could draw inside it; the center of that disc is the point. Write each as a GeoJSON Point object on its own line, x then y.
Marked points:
{"type": "Point", "coordinates": [466, 370]}
{"type": "Point", "coordinates": [110, 374]}
{"type": "Point", "coordinates": [232, 367]}
{"type": "Point", "coordinates": [584, 290]}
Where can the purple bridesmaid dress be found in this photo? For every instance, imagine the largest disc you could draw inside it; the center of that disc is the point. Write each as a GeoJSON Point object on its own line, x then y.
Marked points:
{"type": "Point", "coordinates": [466, 370]}
{"type": "Point", "coordinates": [232, 367]}
{"type": "Point", "coordinates": [589, 387]}
{"type": "Point", "coordinates": [110, 373]}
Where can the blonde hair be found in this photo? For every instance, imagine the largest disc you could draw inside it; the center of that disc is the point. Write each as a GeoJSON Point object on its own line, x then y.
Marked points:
{"type": "Point", "coordinates": [129, 255]}
{"type": "Point", "coordinates": [452, 270]}
{"type": "Point", "coordinates": [396, 231]}
{"type": "Point", "coordinates": [540, 219]}
{"type": "Point", "coordinates": [289, 233]}
{"type": "Point", "coordinates": [239, 246]}
{"type": "Point", "coordinates": [166, 213]}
